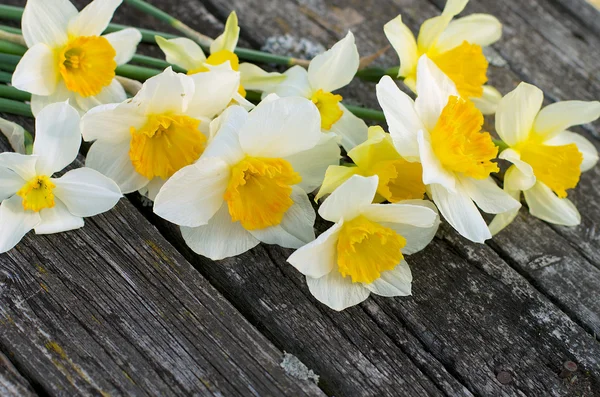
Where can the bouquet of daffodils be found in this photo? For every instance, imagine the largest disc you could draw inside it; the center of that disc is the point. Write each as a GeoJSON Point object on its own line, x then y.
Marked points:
{"type": "Point", "coordinates": [238, 156]}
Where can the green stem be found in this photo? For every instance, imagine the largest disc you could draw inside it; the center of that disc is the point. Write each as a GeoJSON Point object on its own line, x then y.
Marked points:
{"type": "Point", "coordinates": [11, 12]}
{"type": "Point", "coordinates": [9, 92]}
{"type": "Point", "coordinates": [139, 73]}
{"type": "Point", "coordinates": [5, 77]}
{"type": "Point", "coordinates": [375, 74]}
{"type": "Point", "coordinates": [501, 144]}
{"type": "Point", "coordinates": [10, 29]}
{"type": "Point", "coordinates": [15, 107]}
{"type": "Point", "coordinates": [11, 48]}
{"type": "Point", "coordinates": [366, 114]}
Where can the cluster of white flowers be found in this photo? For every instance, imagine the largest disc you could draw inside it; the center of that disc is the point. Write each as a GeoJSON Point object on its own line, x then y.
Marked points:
{"type": "Point", "coordinates": [233, 174]}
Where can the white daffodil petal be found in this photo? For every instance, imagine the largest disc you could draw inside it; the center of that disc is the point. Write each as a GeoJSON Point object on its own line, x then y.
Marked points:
{"type": "Point", "coordinates": [112, 93]}
{"type": "Point", "coordinates": [57, 138]}
{"type": "Point", "coordinates": [401, 116]}
{"type": "Point", "coordinates": [229, 38]}
{"type": "Point", "coordinates": [226, 143]}
{"type": "Point", "coordinates": [559, 116]}
{"type": "Point", "coordinates": [182, 52]}
{"type": "Point", "coordinates": [194, 193]}
{"type": "Point", "coordinates": [254, 78]}
{"type": "Point", "coordinates": [514, 157]}
{"type": "Point", "coordinates": [546, 205]}
{"type": "Point", "coordinates": [23, 165]}
{"type": "Point", "coordinates": [410, 214]}
{"type": "Point", "coordinates": [516, 113]}
{"type": "Point", "coordinates": [15, 135]}
{"type": "Point", "coordinates": [94, 18]}
{"type": "Point", "coordinates": [297, 226]}
{"type": "Point", "coordinates": [215, 91]}
{"type": "Point", "coordinates": [461, 213]}
{"type": "Point", "coordinates": [403, 41]}
{"type": "Point", "coordinates": [168, 92]}
{"type": "Point", "coordinates": [295, 83]}
{"type": "Point", "coordinates": [10, 183]}
{"type": "Point", "coordinates": [350, 199]}
{"type": "Point", "coordinates": [336, 291]}
{"type": "Point", "coordinates": [281, 128]}
{"type": "Point", "coordinates": [86, 192]}
{"type": "Point", "coordinates": [220, 238]}
{"type": "Point", "coordinates": [58, 219]}
{"type": "Point", "coordinates": [125, 43]}
{"type": "Point", "coordinates": [488, 196]}
{"type": "Point", "coordinates": [336, 67]}
{"type": "Point", "coordinates": [111, 123]}
{"type": "Point", "coordinates": [480, 29]}
{"type": "Point", "coordinates": [520, 176]}
{"type": "Point", "coordinates": [319, 257]}
{"type": "Point", "coordinates": [60, 94]}
{"type": "Point", "coordinates": [504, 219]}
{"type": "Point", "coordinates": [351, 129]}
{"type": "Point", "coordinates": [587, 148]}
{"type": "Point", "coordinates": [46, 21]}
{"type": "Point", "coordinates": [113, 161]}
{"type": "Point", "coordinates": [15, 222]}
{"type": "Point", "coordinates": [395, 282]}
{"type": "Point", "coordinates": [313, 163]}
{"type": "Point", "coordinates": [433, 90]}
{"type": "Point", "coordinates": [488, 102]}
{"type": "Point", "coordinates": [430, 31]}
{"type": "Point", "coordinates": [433, 171]}
{"type": "Point", "coordinates": [37, 71]}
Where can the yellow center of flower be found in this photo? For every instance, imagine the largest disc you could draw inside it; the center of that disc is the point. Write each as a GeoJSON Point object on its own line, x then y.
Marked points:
{"type": "Point", "coordinates": [259, 191]}
{"type": "Point", "coordinates": [366, 248]}
{"type": "Point", "coordinates": [399, 180]}
{"type": "Point", "coordinates": [558, 167]}
{"type": "Point", "coordinates": [87, 64]}
{"type": "Point", "coordinates": [219, 58]}
{"type": "Point", "coordinates": [165, 144]}
{"type": "Point", "coordinates": [458, 142]}
{"type": "Point", "coordinates": [37, 193]}
{"type": "Point", "coordinates": [328, 105]}
{"type": "Point", "coordinates": [466, 66]}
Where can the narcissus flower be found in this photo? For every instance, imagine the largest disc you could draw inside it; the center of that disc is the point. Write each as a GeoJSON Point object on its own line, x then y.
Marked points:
{"type": "Point", "coordinates": [141, 142]}
{"type": "Point", "coordinates": [454, 46]}
{"type": "Point", "coordinates": [398, 179]}
{"type": "Point", "coordinates": [327, 72]}
{"type": "Point", "coordinates": [364, 251]}
{"type": "Point", "coordinates": [32, 199]}
{"type": "Point", "coordinates": [188, 55]}
{"type": "Point", "coordinates": [68, 59]}
{"type": "Point", "coordinates": [547, 158]}
{"type": "Point", "coordinates": [442, 131]}
{"type": "Point", "coordinates": [250, 184]}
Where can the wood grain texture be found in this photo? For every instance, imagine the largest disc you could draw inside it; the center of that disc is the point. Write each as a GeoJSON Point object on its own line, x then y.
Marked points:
{"type": "Point", "coordinates": [12, 383]}
{"type": "Point", "coordinates": [113, 309]}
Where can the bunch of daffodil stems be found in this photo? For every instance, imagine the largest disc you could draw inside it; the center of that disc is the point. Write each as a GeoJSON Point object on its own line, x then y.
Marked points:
{"type": "Point", "coordinates": [236, 155]}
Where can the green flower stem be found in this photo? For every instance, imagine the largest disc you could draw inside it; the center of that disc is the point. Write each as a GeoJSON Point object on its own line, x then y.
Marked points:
{"type": "Point", "coordinates": [10, 29]}
{"type": "Point", "coordinates": [366, 114]}
{"type": "Point", "coordinates": [15, 107]}
{"type": "Point", "coordinates": [5, 77]}
{"type": "Point", "coordinates": [9, 92]}
{"type": "Point", "coordinates": [11, 13]}
{"type": "Point", "coordinates": [139, 73]}
{"type": "Point", "coordinates": [375, 74]}
{"type": "Point", "coordinates": [501, 144]}
{"type": "Point", "coordinates": [11, 48]}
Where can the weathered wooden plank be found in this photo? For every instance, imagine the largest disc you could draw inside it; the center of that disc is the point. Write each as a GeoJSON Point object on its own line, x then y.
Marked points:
{"type": "Point", "coordinates": [12, 383]}
{"type": "Point", "coordinates": [586, 11]}
{"type": "Point", "coordinates": [113, 308]}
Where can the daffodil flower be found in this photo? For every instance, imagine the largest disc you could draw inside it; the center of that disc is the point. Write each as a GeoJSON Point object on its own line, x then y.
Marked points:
{"type": "Point", "coordinates": [398, 179]}
{"type": "Point", "coordinates": [327, 72]}
{"type": "Point", "coordinates": [250, 184]}
{"type": "Point", "coordinates": [442, 131]}
{"type": "Point", "coordinates": [547, 158]}
{"type": "Point", "coordinates": [454, 46]}
{"type": "Point", "coordinates": [143, 141]}
{"type": "Point", "coordinates": [32, 199]}
{"type": "Point", "coordinates": [68, 59]}
{"type": "Point", "coordinates": [188, 55]}
{"type": "Point", "coordinates": [364, 250]}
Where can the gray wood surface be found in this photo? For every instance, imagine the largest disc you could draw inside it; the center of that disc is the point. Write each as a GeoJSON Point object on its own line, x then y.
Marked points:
{"type": "Point", "coordinates": [12, 383]}
{"type": "Point", "coordinates": [497, 319]}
